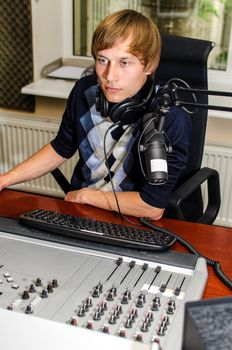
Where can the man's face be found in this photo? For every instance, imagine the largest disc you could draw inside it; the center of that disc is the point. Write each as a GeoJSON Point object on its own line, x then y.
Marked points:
{"type": "Point", "coordinates": [120, 73]}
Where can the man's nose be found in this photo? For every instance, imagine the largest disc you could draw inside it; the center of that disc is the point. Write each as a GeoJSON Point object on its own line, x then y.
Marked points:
{"type": "Point", "coordinates": [111, 72]}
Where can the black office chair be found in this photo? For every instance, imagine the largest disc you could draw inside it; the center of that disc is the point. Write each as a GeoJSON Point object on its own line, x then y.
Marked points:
{"type": "Point", "coordinates": [186, 59]}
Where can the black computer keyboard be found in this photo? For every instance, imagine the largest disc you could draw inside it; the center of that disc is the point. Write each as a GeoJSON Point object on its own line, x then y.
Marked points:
{"type": "Point", "coordinates": [96, 230]}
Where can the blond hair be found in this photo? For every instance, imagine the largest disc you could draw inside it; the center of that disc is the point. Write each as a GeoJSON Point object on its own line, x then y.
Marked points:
{"type": "Point", "coordinates": [121, 25]}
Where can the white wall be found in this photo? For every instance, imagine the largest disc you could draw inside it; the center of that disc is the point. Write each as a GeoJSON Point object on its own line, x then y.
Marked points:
{"type": "Point", "coordinates": [47, 31]}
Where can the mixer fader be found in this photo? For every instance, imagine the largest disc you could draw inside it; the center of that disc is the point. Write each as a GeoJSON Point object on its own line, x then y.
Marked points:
{"type": "Point", "coordinates": [117, 295]}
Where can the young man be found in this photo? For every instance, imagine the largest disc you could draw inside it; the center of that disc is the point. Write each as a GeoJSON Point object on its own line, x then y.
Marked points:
{"type": "Point", "coordinates": [126, 48]}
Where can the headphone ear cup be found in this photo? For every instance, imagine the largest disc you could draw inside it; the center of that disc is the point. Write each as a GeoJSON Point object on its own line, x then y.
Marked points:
{"type": "Point", "coordinates": [101, 103]}
{"type": "Point", "coordinates": [124, 112]}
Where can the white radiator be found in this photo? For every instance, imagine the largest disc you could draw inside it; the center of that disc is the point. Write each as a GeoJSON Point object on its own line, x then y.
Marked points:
{"type": "Point", "coordinates": [220, 158]}
{"type": "Point", "coordinates": [21, 136]}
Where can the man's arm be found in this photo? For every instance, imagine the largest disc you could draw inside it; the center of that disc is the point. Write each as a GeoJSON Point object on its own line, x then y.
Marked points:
{"type": "Point", "coordinates": [40, 163]}
{"type": "Point", "coordinates": [130, 203]}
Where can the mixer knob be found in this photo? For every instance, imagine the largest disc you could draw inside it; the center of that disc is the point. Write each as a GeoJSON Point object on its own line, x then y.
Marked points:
{"type": "Point", "coordinates": [142, 296]}
{"type": "Point", "coordinates": [161, 330]}
{"type": "Point", "coordinates": [166, 320]}
{"type": "Point", "coordinates": [139, 303]}
{"type": "Point", "coordinates": [134, 312]}
{"type": "Point", "coordinates": [171, 307]}
{"type": "Point", "coordinates": [54, 283]}
{"type": "Point", "coordinates": [119, 308]}
{"type": "Point", "coordinates": [100, 310]}
{"type": "Point", "coordinates": [38, 282]}
{"type": "Point", "coordinates": [149, 317]}
{"type": "Point", "coordinates": [25, 295]}
{"type": "Point", "coordinates": [44, 293]}
{"type": "Point", "coordinates": [128, 323]}
{"type": "Point", "coordinates": [50, 288]}
{"type": "Point", "coordinates": [157, 300]}
{"type": "Point", "coordinates": [85, 306]}
{"type": "Point", "coordinates": [32, 288]}
{"type": "Point", "coordinates": [114, 291]}
{"type": "Point", "coordinates": [99, 287]}
{"type": "Point", "coordinates": [95, 293]}
{"type": "Point", "coordinates": [116, 313]}
{"type": "Point", "coordinates": [124, 299]}
{"type": "Point", "coordinates": [128, 294]}
{"type": "Point", "coordinates": [81, 312]}
{"type": "Point", "coordinates": [110, 296]}
{"type": "Point", "coordinates": [96, 315]}
{"type": "Point", "coordinates": [112, 319]}
{"type": "Point", "coordinates": [104, 305]}
{"type": "Point", "coordinates": [145, 327]}
{"type": "Point", "coordinates": [28, 309]}
{"type": "Point", "coordinates": [89, 301]}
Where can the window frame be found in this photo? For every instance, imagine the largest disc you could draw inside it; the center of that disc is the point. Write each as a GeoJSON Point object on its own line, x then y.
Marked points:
{"type": "Point", "coordinates": [217, 79]}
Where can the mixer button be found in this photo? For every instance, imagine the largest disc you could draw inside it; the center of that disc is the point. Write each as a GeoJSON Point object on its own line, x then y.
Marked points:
{"type": "Point", "coordinates": [105, 329]}
{"type": "Point", "coordinates": [139, 337]}
{"type": "Point", "coordinates": [89, 325]}
{"type": "Point", "coordinates": [122, 333]}
{"type": "Point", "coordinates": [73, 321]}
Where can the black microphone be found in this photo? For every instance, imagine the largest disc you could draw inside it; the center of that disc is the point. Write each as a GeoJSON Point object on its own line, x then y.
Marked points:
{"type": "Point", "coordinates": [153, 144]}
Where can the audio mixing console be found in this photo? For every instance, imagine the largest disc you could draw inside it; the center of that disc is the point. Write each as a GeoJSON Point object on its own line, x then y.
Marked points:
{"type": "Point", "coordinates": [58, 294]}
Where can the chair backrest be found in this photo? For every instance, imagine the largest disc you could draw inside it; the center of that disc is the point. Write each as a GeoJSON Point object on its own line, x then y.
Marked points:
{"type": "Point", "coordinates": [186, 58]}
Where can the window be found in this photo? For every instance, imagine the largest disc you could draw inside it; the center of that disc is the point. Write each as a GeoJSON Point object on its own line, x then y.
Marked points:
{"type": "Point", "coordinates": [205, 19]}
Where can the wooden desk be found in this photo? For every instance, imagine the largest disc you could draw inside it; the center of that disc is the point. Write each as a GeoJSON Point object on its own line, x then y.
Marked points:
{"type": "Point", "coordinates": [215, 242]}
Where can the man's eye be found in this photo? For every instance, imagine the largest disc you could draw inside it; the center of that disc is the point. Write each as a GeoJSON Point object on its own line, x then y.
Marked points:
{"type": "Point", "coordinates": [124, 63]}
{"type": "Point", "coordinates": [102, 60]}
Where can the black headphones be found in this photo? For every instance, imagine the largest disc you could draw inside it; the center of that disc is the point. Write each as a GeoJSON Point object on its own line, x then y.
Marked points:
{"type": "Point", "coordinates": [128, 111]}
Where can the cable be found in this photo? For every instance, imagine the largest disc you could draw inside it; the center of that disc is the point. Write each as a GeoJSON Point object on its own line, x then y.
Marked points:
{"type": "Point", "coordinates": [215, 264]}
{"type": "Point", "coordinates": [111, 180]}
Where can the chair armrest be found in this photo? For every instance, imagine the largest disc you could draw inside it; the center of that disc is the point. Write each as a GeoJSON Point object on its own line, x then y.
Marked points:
{"type": "Point", "coordinates": [61, 180]}
{"type": "Point", "coordinates": [189, 186]}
